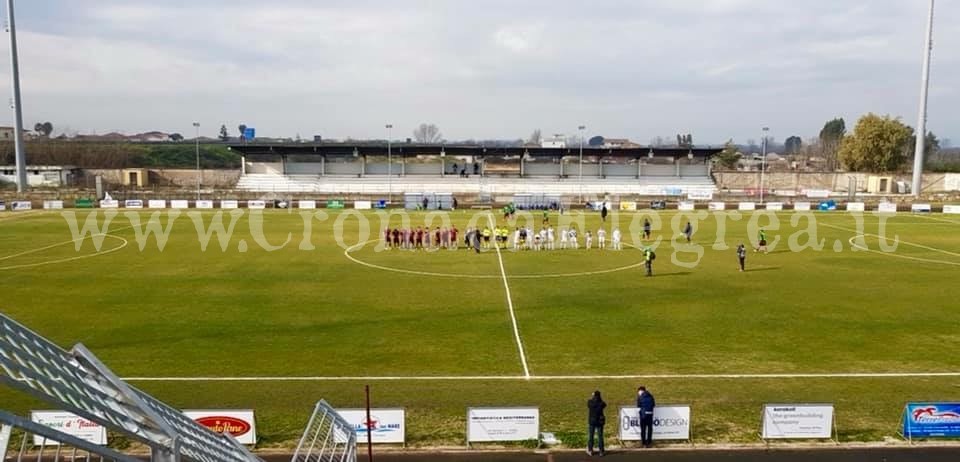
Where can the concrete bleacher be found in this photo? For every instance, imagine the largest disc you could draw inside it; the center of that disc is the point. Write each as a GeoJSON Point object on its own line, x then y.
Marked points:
{"type": "Point", "coordinates": [380, 184]}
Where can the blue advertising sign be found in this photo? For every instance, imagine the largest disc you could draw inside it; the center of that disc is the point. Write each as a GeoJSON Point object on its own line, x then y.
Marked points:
{"type": "Point", "coordinates": [921, 420]}
{"type": "Point", "coordinates": [249, 133]}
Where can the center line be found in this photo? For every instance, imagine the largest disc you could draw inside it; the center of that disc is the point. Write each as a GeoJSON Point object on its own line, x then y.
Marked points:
{"type": "Point", "coordinates": [513, 316]}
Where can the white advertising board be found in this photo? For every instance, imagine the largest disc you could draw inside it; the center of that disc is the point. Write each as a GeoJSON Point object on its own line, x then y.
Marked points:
{"type": "Point", "coordinates": [777, 206]}
{"type": "Point", "coordinates": [700, 195]}
{"type": "Point", "coordinates": [747, 206]}
{"type": "Point", "coordinates": [229, 204]}
{"type": "Point", "coordinates": [109, 204]}
{"type": "Point", "coordinates": [717, 206]}
{"type": "Point", "coordinates": [362, 205]}
{"type": "Point", "coordinates": [920, 208]}
{"type": "Point", "coordinates": [204, 204]}
{"type": "Point", "coordinates": [307, 204]}
{"type": "Point", "coordinates": [670, 422]}
{"type": "Point", "coordinates": [856, 207]}
{"type": "Point", "coordinates": [817, 193]}
{"type": "Point", "coordinates": [240, 423]}
{"type": "Point", "coordinates": [686, 207]}
{"type": "Point", "coordinates": [52, 205]}
{"type": "Point", "coordinates": [258, 205]}
{"type": "Point", "coordinates": [388, 425]}
{"type": "Point", "coordinates": [133, 204]}
{"type": "Point", "coordinates": [179, 204]}
{"type": "Point", "coordinates": [797, 421]}
{"type": "Point", "coordinates": [951, 209]}
{"type": "Point", "coordinates": [887, 207]}
{"type": "Point", "coordinates": [486, 425]}
{"type": "Point", "coordinates": [802, 206]}
{"type": "Point", "coordinates": [156, 204]}
{"type": "Point", "coordinates": [21, 205]}
{"type": "Point", "coordinates": [70, 424]}
{"type": "Point", "coordinates": [951, 182]}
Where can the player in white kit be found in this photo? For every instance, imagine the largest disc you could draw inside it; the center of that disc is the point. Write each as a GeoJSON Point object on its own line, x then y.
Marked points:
{"type": "Point", "coordinates": [601, 239]}
{"type": "Point", "coordinates": [616, 239]}
{"type": "Point", "coordinates": [589, 238]}
{"type": "Point", "coordinates": [564, 237]}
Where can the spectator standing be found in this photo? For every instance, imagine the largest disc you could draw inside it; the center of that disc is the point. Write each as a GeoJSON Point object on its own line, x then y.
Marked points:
{"type": "Point", "coordinates": [645, 405]}
{"type": "Point", "coordinates": [596, 421]}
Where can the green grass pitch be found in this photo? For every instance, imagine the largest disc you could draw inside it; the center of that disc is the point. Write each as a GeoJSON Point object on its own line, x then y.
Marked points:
{"type": "Point", "coordinates": [583, 317]}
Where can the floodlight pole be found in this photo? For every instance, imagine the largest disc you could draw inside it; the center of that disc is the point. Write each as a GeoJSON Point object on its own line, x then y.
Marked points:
{"type": "Point", "coordinates": [581, 129]}
{"type": "Point", "coordinates": [196, 140]}
{"type": "Point", "coordinates": [21, 158]}
{"type": "Point", "coordinates": [763, 160]}
{"type": "Point", "coordinates": [390, 160]}
{"type": "Point", "coordinates": [922, 122]}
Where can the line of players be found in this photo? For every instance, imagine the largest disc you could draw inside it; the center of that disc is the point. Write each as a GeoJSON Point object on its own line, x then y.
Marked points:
{"type": "Point", "coordinates": [522, 238]}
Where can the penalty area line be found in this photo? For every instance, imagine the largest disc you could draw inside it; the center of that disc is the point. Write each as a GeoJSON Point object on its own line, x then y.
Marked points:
{"type": "Point", "coordinates": [479, 378]}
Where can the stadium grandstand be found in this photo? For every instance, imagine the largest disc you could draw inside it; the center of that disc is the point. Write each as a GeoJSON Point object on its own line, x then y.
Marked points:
{"type": "Point", "coordinates": [381, 168]}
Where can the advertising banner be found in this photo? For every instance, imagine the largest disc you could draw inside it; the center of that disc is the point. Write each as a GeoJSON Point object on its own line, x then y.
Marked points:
{"type": "Point", "coordinates": [670, 422]}
{"type": "Point", "coordinates": [797, 421]}
{"type": "Point", "coordinates": [921, 208]}
{"type": "Point", "coordinates": [179, 204]}
{"type": "Point", "coordinates": [628, 206]}
{"type": "Point", "coordinates": [718, 206]}
{"type": "Point", "coordinates": [307, 204]}
{"type": "Point", "coordinates": [486, 425]}
{"type": "Point", "coordinates": [257, 205]}
{"type": "Point", "coordinates": [746, 206]}
{"type": "Point", "coordinates": [109, 204]}
{"type": "Point", "coordinates": [700, 195]}
{"type": "Point", "coordinates": [52, 205]}
{"type": "Point", "coordinates": [3, 205]}
{"type": "Point", "coordinates": [229, 204]}
{"type": "Point", "coordinates": [686, 207]}
{"type": "Point", "coordinates": [940, 420]}
{"type": "Point", "coordinates": [776, 206]}
{"type": "Point", "coordinates": [951, 209]}
{"type": "Point", "coordinates": [388, 425]}
{"type": "Point", "coordinates": [334, 204]}
{"type": "Point", "coordinates": [817, 193]}
{"type": "Point", "coordinates": [156, 204]}
{"type": "Point", "coordinates": [79, 203]}
{"type": "Point", "coordinates": [238, 422]}
{"type": "Point", "coordinates": [802, 206]}
{"type": "Point", "coordinates": [70, 424]}
{"type": "Point", "coordinates": [204, 204]}
{"type": "Point", "coordinates": [21, 205]}
{"type": "Point", "coordinates": [362, 205]}
{"type": "Point", "coordinates": [856, 207]}
{"type": "Point", "coordinates": [133, 204]}
{"type": "Point", "coordinates": [887, 207]}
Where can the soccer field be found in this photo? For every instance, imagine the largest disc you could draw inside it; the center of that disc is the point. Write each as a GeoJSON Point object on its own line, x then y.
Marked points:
{"type": "Point", "coordinates": [321, 315]}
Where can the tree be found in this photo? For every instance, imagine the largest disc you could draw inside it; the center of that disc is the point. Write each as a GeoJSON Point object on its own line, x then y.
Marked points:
{"type": "Point", "coordinates": [535, 138]}
{"type": "Point", "coordinates": [43, 129]}
{"type": "Point", "coordinates": [831, 136]}
{"type": "Point", "coordinates": [224, 135]}
{"type": "Point", "coordinates": [792, 145]}
{"type": "Point", "coordinates": [427, 134]}
{"type": "Point", "coordinates": [176, 137]}
{"type": "Point", "coordinates": [877, 144]}
{"type": "Point", "coordinates": [930, 147]}
{"type": "Point", "coordinates": [729, 156]}
{"type": "Point", "coordinates": [596, 141]}
{"type": "Point", "coordinates": [241, 131]}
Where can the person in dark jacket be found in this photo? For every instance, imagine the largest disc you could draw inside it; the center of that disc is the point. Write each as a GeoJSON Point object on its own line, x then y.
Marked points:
{"type": "Point", "coordinates": [645, 405]}
{"type": "Point", "coordinates": [595, 422]}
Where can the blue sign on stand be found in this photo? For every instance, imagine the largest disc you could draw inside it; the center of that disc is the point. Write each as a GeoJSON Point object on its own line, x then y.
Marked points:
{"type": "Point", "coordinates": [926, 420]}
{"type": "Point", "coordinates": [249, 133]}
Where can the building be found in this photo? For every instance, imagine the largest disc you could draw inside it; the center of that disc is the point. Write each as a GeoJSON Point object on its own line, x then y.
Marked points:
{"type": "Point", "coordinates": [51, 176]}
{"type": "Point", "coordinates": [619, 143]}
{"type": "Point", "coordinates": [6, 133]}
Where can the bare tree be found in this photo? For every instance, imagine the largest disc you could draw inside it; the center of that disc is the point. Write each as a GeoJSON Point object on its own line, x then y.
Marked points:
{"type": "Point", "coordinates": [535, 138]}
{"type": "Point", "coordinates": [427, 134]}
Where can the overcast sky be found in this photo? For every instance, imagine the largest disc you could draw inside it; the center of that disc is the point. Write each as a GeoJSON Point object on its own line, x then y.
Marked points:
{"type": "Point", "coordinates": [482, 68]}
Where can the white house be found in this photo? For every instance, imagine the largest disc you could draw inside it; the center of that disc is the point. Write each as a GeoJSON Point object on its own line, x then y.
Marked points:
{"type": "Point", "coordinates": [43, 175]}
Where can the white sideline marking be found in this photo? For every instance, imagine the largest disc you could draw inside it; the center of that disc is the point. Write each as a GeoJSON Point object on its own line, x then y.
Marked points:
{"type": "Point", "coordinates": [513, 316]}
{"type": "Point", "coordinates": [841, 375]}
